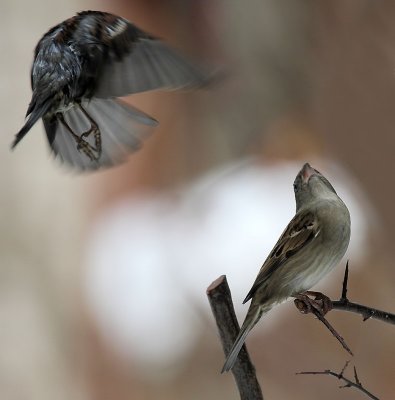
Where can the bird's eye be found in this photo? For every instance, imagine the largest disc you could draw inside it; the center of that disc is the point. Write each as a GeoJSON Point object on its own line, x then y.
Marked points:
{"type": "Point", "coordinates": [295, 187]}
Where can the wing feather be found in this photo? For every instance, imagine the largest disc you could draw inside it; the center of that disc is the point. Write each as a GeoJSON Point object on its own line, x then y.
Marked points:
{"type": "Point", "coordinates": [138, 62]}
{"type": "Point", "coordinates": [302, 229]}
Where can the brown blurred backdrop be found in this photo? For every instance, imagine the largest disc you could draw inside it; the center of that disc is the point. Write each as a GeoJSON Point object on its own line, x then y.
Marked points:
{"type": "Point", "coordinates": [306, 80]}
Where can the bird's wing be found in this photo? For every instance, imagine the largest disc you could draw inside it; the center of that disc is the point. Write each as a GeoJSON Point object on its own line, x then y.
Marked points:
{"type": "Point", "coordinates": [122, 130]}
{"type": "Point", "coordinates": [302, 229]}
{"type": "Point", "coordinates": [137, 62]}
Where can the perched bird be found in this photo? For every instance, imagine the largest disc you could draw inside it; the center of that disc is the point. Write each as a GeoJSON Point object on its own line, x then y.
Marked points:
{"type": "Point", "coordinates": [80, 66]}
{"type": "Point", "coordinates": [311, 245]}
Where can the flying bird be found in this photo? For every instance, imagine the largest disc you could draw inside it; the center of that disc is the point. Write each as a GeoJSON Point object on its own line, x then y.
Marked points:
{"type": "Point", "coordinates": [81, 66]}
{"type": "Point", "coordinates": [311, 245]}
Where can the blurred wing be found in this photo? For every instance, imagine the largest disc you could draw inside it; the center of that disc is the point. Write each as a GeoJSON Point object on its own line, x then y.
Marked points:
{"type": "Point", "coordinates": [122, 129]}
{"type": "Point", "coordinates": [137, 62]}
{"type": "Point", "coordinates": [302, 229]}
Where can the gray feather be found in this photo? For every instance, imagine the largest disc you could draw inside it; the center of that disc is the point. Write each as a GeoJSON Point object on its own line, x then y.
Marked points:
{"type": "Point", "coordinates": [122, 129]}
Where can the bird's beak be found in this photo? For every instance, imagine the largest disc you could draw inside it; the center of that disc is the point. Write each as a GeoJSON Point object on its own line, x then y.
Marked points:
{"type": "Point", "coordinates": [307, 172]}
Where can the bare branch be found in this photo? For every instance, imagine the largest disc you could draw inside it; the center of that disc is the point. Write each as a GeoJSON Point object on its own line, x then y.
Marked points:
{"type": "Point", "coordinates": [333, 331]}
{"type": "Point", "coordinates": [220, 299]}
{"type": "Point", "coordinates": [348, 383]}
{"type": "Point", "coordinates": [365, 311]}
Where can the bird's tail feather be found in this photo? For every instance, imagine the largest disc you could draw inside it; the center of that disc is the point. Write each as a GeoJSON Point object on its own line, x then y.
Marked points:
{"type": "Point", "coordinates": [36, 112]}
{"type": "Point", "coordinates": [253, 316]}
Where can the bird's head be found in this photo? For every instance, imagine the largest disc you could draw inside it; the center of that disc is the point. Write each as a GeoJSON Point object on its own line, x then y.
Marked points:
{"type": "Point", "coordinates": [310, 184]}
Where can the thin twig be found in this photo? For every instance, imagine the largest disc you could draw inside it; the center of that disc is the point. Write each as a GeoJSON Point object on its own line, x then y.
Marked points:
{"type": "Point", "coordinates": [348, 383]}
{"type": "Point", "coordinates": [333, 331]}
{"type": "Point", "coordinates": [220, 299]}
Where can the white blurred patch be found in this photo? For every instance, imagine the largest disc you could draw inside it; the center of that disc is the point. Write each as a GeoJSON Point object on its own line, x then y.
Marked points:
{"type": "Point", "coordinates": [151, 258]}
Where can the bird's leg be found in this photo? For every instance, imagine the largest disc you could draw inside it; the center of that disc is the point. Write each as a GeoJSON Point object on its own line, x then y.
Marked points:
{"type": "Point", "coordinates": [320, 303]}
{"type": "Point", "coordinates": [82, 145]}
{"type": "Point", "coordinates": [93, 129]}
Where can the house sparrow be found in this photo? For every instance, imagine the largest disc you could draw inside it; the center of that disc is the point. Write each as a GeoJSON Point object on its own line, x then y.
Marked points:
{"type": "Point", "coordinates": [80, 66]}
{"type": "Point", "coordinates": [310, 247]}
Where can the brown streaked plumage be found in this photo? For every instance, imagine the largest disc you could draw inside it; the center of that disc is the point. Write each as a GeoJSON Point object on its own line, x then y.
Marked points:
{"type": "Point", "coordinates": [310, 247]}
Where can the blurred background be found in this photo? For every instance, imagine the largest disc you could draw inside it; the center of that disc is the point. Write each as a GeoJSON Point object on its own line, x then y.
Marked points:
{"type": "Point", "coordinates": [103, 275]}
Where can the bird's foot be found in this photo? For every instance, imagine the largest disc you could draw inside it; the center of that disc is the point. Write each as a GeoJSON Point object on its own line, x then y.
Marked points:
{"type": "Point", "coordinates": [319, 303]}
{"type": "Point", "coordinates": [93, 129]}
{"type": "Point", "coordinates": [97, 136]}
{"type": "Point", "coordinates": [87, 149]}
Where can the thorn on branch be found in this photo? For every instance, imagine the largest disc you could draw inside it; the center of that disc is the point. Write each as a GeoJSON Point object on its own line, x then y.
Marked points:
{"type": "Point", "coordinates": [356, 377]}
{"type": "Point", "coordinates": [343, 297]}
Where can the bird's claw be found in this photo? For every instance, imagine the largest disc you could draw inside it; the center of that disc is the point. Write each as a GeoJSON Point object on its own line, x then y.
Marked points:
{"type": "Point", "coordinates": [96, 134]}
{"type": "Point", "coordinates": [319, 303]}
{"type": "Point", "coordinates": [87, 149]}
